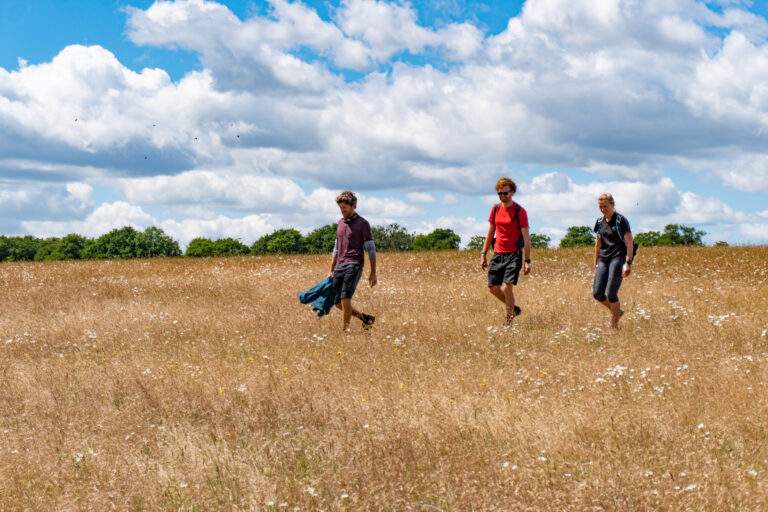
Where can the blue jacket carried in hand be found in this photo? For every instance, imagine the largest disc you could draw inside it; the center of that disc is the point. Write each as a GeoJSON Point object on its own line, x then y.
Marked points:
{"type": "Point", "coordinates": [320, 296]}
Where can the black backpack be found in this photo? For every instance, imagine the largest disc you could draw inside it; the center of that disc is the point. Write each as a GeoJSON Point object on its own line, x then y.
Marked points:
{"type": "Point", "coordinates": [521, 241]}
{"type": "Point", "coordinates": [619, 218]}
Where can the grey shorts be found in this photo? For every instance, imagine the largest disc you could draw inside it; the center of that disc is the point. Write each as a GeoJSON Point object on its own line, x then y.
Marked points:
{"type": "Point", "coordinates": [345, 279]}
{"type": "Point", "coordinates": [505, 268]}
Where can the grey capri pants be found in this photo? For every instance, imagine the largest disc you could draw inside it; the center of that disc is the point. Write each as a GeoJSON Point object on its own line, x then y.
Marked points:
{"type": "Point", "coordinates": [608, 279]}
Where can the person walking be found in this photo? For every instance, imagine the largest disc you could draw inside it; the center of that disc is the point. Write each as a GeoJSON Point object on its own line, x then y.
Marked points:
{"type": "Point", "coordinates": [614, 250]}
{"type": "Point", "coordinates": [353, 238]}
{"type": "Point", "coordinates": [509, 221]}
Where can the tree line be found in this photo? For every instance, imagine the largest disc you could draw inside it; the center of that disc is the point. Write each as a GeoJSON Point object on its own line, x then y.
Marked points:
{"type": "Point", "coordinates": [128, 242]}
{"type": "Point", "coordinates": [673, 234]}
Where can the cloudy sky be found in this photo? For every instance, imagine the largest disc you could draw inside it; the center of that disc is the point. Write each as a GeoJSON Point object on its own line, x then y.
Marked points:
{"type": "Point", "coordinates": [235, 118]}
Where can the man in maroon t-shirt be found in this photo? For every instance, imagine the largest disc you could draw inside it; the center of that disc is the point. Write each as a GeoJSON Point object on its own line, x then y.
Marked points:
{"type": "Point", "coordinates": [353, 239]}
{"type": "Point", "coordinates": [510, 223]}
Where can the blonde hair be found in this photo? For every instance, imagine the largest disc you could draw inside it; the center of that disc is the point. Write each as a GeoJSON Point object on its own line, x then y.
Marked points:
{"type": "Point", "coordinates": [503, 182]}
{"type": "Point", "coordinates": [347, 197]}
{"type": "Point", "coordinates": [606, 197]}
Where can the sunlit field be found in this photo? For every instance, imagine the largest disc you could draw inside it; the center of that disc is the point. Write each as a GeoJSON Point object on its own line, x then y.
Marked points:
{"type": "Point", "coordinates": [204, 385]}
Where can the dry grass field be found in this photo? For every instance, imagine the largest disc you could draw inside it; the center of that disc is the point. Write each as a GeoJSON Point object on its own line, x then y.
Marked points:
{"type": "Point", "coordinates": [204, 385]}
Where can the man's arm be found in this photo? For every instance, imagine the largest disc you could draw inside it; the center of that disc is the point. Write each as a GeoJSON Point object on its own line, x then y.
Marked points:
{"type": "Point", "coordinates": [370, 246]}
{"type": "Point", "coordinates": [486, 246]}
{"type": "Point", "coordinates": [335, 257]}
{"type": "Point", "coordinates": [526, 250]}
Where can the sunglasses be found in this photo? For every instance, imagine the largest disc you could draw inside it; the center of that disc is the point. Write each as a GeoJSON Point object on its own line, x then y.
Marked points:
{"type": "Point", "coordinates": [504, 193]}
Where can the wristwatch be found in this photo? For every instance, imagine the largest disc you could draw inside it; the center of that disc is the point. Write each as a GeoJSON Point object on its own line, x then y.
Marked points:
{"type": "Point", "coordinates": [628, 262]}
{"type": "Point", "coordinates": [528, 261]}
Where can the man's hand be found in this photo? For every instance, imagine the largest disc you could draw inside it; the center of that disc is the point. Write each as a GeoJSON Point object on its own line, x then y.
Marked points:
{"type": "Point", "coordinates": [372, 280]}
{"type": "Point", "coordinates": [626, 270]}
{"type": "Point", "coordinates": [330, 274]}
{"type": "Point", "coordinates": [483, 261]}
{"type": "Point", "coordinates": [526, 268]}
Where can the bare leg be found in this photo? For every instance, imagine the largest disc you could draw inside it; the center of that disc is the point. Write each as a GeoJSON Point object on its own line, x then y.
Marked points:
{"type": "Point", "coordinates": [616, 312]}
{"type": "Point", "coordinates": [506, 295]}
{"type": "Point", "coordinates": [510, 295]}
{"type": "Point", "coordinates": [348, 310]}
{"type": "Point", "coordinates": [496, 292]}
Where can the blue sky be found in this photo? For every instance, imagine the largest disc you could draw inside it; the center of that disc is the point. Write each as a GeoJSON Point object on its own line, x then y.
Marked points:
{"type": "Point", "coordinates": [237, 118]}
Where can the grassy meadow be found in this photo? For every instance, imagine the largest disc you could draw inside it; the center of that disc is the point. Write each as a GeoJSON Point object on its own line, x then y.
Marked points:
{"type": "Point", "coordinates": [203, 384]}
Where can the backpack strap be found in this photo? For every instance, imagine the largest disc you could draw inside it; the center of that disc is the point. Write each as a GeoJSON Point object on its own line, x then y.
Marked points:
{"type": "Point", "coordinates": [618, 227]}
{"type": "Point", "coordinates": [599, 224]}
{"type": "Point", "coordinates": [495, 210]}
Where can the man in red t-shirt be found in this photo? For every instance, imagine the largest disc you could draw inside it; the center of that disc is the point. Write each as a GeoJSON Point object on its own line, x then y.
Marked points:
{"type": "Point", "coordinates": [510, 223]}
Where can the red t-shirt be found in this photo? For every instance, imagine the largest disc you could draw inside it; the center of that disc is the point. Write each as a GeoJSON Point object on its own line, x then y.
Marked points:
{"type": "Point", "coordinates": [507, 231]}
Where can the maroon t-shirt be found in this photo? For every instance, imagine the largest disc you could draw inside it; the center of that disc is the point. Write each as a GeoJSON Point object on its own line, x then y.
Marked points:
{"type": "Point", "coordinates": [350, 236]}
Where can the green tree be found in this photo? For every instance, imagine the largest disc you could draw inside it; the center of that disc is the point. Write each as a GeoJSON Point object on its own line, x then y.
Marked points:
{"type": "Point", "coordinates": [578, 236]}
{"type": "Point", "coordinates": [676, 234]}
{"type": "Point", "coordinates": [229, 247]}
{"type": "Point", "coordinates": [721, 243]}
{"type": "Point", "coordinates": [118, 243]}
{"type": "Point", "coordinates": [153, 243]}
{"type": "Point", "coordinates": [476, 243]}
{"type": "Point", "coordinates": [18, 248]}
{"type": "Point", "coordinates": [539, 241]}
{"type": "Point", "coordinates": [200, 248]}
{"type": "Point", "coordinates": [648, 238]}
{"type": "Point", "coordinates": [46, 248]}
{"type": "Point", "coordinates": [282, 241]}
{"type": "Point", "coordinates": [70, 247]}
{"type": "Point", "coordinates": [126, 242]}
{"type": "Point", "coordinates": [392, 237]}
{"type": "Point", "coordinates": [438, 240]}
{"type": "Point", "coordinates": [321, 240]}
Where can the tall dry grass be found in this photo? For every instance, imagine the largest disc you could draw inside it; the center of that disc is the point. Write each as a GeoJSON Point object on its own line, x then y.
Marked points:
{"type": "Point", "coordinates": [205, 385]}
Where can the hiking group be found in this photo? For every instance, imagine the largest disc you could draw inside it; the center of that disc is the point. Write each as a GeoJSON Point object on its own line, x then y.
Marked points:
{"type": "Point", "coordinates": [509, 238]}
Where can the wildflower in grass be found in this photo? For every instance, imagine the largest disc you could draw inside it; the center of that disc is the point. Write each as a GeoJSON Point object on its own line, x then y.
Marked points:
{"type": "Point", "coordinates": [311, 491]}
{"type": "Point", "coordinates": [344, 496]}
{"type": "Point", "coordinates": [752, 473]}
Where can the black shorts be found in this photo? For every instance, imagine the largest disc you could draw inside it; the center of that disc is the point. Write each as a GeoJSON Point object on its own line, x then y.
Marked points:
{"type": "Point", "coordinates": [345, 279]}
{"type": "Point", "coordinates": [505, 268]}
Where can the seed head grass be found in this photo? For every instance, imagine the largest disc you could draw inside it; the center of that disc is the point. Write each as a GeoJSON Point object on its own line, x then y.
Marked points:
{"type": "Point", "coordinates": [203, 384]}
